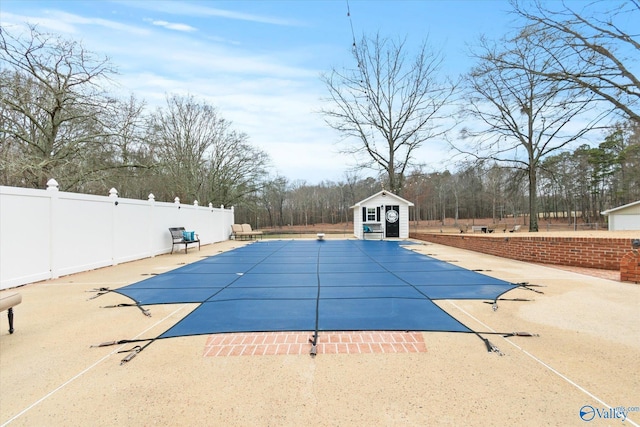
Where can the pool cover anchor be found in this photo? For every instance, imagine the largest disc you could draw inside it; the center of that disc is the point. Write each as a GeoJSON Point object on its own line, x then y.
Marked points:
{"type": "Point", "coordinates": [102, 291]}
{"type": "Point", "coordinates": [133, 352]}
{"type": "Point", "coordinates": [105, 344]}
{"type": "Point", "coordinates": [99, 292]}
{"type": "Point", "coordinates": [523, 285]}
{"type": "Point", "coordinates": [314, 345]}
{"type": "Point", "coordinates": [494, 303]}
{"type": "Point", "coordinates": [142, 309]}
{"type": "Point", "coordinates": [528, 286]}
{"type": "Point", "coordinates": [118, 342]}
{"type": "Point", "coordinates": [520, 334]}
{"type": "Point", "coordinates": [492, 348]}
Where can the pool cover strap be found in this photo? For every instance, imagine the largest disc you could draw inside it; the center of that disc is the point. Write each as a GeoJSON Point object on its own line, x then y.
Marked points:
{"type": "Point", "coordinates": [142, 309]}
{"type": "Point", "coordinates": [314, 341]}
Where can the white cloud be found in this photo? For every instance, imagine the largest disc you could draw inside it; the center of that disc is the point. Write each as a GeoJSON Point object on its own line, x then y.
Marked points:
{"type": "Point", "coordinates": [172, 25]}
{"type": "Point", "coordinates": [119, 27]}
{"type": "Point", "coordinates": [14, 21]}
{"type": "Point", "coordinates": [197, 10]}
{"type": "Point", "coordinates": [70, 24]}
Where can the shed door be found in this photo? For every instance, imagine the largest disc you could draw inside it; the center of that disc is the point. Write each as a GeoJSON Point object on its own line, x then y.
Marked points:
{"type": "Point", "coordinates": [392, 221]}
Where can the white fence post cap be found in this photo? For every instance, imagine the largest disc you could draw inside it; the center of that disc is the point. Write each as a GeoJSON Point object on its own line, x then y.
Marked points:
{"type": "Point", "coordinates": [151, 197]}
{"type": "Point", "coordinates": [195, 203]}
{"type": "Point", "coordinates": [52, 185]}
{"type": "Point", "coordinates": [176, 200]}
{"type": "Point", "coordinates": [113, 192]}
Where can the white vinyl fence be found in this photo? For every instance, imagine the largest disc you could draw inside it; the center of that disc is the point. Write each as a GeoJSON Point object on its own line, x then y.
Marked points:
{"type": "Point", "coordinates": [46, 234]}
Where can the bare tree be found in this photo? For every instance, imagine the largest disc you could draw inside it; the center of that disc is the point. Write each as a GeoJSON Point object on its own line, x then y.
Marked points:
{"type": "Point", "coordinates": [128, 159]}
{"type": "Point", "coordinates": [236, 169]}
{"type": "Point", "coordinates": [598, 52]}
{"type": "Point", "coordinates": [51, 101]}
{"type": "Point", "coordinates": [272, 198]}
{"type": "Point", "coordinates": [182, 134]}
{"type": "Point", "coordinates": [522, 116]}
{"type": "Point", "coordinates": [388, 106]}
{"type": "Point", "coordinates": [200, 156]}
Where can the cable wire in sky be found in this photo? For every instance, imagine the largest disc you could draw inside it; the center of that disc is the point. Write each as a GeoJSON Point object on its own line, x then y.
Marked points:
{"type": "Point", "coordinates": [351, 23]}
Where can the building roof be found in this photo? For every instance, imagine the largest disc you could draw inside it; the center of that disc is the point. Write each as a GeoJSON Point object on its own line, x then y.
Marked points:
{"type": "Point", "coordinates": [607, 212]}
{"type": "Point", "coordinates": [384, 193]}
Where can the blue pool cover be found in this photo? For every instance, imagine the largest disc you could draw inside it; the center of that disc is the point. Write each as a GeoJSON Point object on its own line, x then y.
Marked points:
{"type": "Point", "coordinates": [303, 285]}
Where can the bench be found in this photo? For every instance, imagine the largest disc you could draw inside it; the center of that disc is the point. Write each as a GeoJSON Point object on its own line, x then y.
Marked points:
{"type": "Point", "coordinates": [244, 230]}
{"type": "Point", "coordinates": [372, 229]}
{"type": "Point", "coordinates": [515, 228]}
{"type": "Point", "coordinates": [481, 228]}
{"type": "Point", "coordinates": [7, 302]}
{"type": "Point", "coordinates": [179, 236]}
{"type": "Point", "coordinates": [497, 227]}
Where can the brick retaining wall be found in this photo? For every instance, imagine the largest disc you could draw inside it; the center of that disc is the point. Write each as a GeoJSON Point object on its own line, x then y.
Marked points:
{"type": "Point", "coordinates": [630, 267]}
{"type": "Point", "coordinates": [589, 252]}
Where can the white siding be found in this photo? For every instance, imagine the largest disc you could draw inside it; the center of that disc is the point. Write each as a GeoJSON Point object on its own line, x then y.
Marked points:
{"type": "Point", "coordinates": [622, 221]}
{"type": "Point", "coordinates": [404, 222]}
{"type": "Point", "coordinates": [357, 221]}
{"type": "Point", "coordinates": [380, 201]}
{"type": "Point", "coordinates": [625, 217]}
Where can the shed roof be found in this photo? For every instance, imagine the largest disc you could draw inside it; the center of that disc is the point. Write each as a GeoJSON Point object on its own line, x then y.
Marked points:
{"type": "Point", "coordinates": [619, 208]}
{"type": "Point", "coordinates": [384, 193]}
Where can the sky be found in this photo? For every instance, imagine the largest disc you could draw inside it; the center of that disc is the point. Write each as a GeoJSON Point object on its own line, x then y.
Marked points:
{"type": "Point", "coordinates": [259, 62]}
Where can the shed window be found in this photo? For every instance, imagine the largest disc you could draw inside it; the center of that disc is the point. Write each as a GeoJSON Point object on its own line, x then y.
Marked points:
{"type": "Point", "coordinates": [371, 214]}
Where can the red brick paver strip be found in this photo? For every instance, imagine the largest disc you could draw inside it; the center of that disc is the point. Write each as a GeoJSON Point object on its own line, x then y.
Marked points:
{"type": "Point", "coordinates": [279, 343]}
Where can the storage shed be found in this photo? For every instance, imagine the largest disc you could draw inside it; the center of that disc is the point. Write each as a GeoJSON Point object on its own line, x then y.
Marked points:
{"type": "Point", "coordinates": [625, 217]}
{"type": "Point", "coordinates": [383, 215]}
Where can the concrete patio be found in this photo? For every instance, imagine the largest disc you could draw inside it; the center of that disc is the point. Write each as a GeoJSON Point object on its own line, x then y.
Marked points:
{"type": "Point", "coordinates": [587, 355]}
